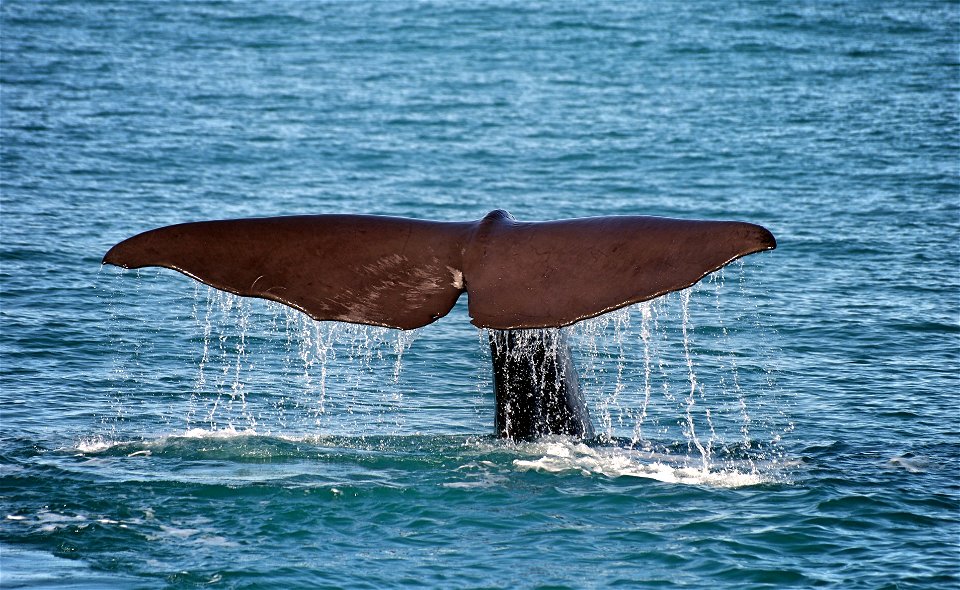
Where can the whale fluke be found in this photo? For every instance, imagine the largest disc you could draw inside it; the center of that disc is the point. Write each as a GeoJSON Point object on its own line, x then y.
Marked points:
{"type": "Point", "coordinates": [522, 280]}
{"type": "Point", "coordinates": [406, 273]}
{"type": "Point", "coordinates": [383, 271]}
{"type": "Point", "coordinates": [556, 273]}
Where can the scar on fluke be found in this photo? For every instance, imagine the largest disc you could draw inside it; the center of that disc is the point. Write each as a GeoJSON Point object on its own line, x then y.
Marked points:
{"type": "Point", "coordinates": [521, 278]}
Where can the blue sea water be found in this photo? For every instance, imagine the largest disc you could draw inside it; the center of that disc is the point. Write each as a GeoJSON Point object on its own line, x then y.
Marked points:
{"type": "Point", "coordinates": [789, 422]}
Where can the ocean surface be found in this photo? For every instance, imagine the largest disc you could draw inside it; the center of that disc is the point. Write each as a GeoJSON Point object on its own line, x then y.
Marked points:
{"type": "Point", "coordinates": [792, 421]}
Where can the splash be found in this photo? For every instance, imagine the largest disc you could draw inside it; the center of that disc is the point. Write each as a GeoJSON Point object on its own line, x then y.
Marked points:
{"type": "Point", "coordinates": [333, 373]}
{"type": "Point", "coordinates": [253, 365]}
{"type": "Point", "coordinates": [676, 379]}
{"type": "Point", "coordinates": [684, 371]}
{"type": "Point", "coordinates": [570, 456]}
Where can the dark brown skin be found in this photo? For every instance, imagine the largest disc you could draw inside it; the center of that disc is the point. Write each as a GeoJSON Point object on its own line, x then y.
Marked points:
{"type": "Point", "coordinates": [556, 273]}
{"type": "Point", "coordinates": [363, 269]}
{"type": "Point", "coordinates": [406, 273]}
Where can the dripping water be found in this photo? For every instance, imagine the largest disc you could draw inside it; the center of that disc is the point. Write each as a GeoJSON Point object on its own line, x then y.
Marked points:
{"type": "Point", "coordinates": [632, 372]}
{"type": "Point", "coordinates": [662, 377]}
{"type": "Point", "coordinates": [250, 365]}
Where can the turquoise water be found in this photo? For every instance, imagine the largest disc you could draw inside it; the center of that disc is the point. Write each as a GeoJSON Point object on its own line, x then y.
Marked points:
{"type": "Point", "coordinates": [790, 422]}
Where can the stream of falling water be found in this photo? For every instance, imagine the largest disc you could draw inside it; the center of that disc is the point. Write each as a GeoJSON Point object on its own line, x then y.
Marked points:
{"type": "Point", "coordinates": [334, 378]}
{"type": "Point", "coordinates": [672, 377]}
{"type": "Point", "coordinates": [674, 384]}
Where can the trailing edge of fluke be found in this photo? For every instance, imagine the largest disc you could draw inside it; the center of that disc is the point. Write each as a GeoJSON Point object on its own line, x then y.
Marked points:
{"type": "Point", "coordinates": [406, 273]}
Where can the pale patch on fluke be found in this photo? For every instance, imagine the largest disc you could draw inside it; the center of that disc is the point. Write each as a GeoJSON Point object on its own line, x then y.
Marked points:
{"type": "Point", "coordinates": [457, 277]}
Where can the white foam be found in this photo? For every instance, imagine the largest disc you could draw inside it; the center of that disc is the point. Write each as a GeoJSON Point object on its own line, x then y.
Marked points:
{"type": "Point", "coordinates": [908, 464]}
{"type": "Point", "coordinates": [99, 444]}
{"type": "Point", "coordinates": [551, 455]}
{"type": "Point", "coordinates": [229, 432]}
{"type": "Point", "coordinates": [95, 445]}
{"type": "Point", "coordinates": [478, 475]}
{"type": "Point", "coordinates": [567, 455]}
{"type": "Point", "coordinates": [53, 521]}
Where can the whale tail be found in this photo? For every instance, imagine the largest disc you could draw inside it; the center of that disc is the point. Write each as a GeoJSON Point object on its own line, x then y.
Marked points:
{"type": "Point", "coordinates": [521, 278]}
{"type": "Point", "coordinates": [407, 273]}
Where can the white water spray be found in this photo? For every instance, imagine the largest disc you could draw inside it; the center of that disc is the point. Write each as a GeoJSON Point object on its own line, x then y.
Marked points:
{"type": "Point", "coordinates": [345, 379]}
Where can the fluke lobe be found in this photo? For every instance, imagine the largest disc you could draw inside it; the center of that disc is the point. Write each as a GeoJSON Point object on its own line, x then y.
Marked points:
{"type": "Point", "coordinates": [521, 279]}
